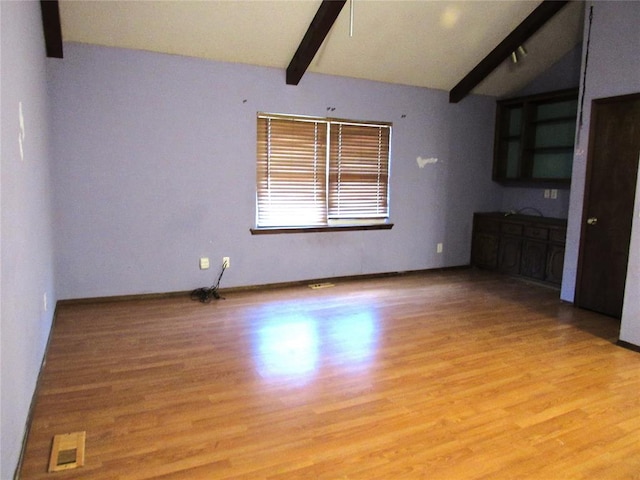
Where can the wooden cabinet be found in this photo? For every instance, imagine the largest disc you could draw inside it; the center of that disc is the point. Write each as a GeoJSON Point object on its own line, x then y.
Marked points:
{"type": "Point", "coordinates": [510, 253]}
{"type": "Point", "coordinates": [534, 139]}
{"type": "Point", "coordinates": [484, 250]}
{"type": "Point", "coordinates": [525, 245]}
{"type": "Point", "coordinates": [534, 259]}
{"type": "Point", "coordinates": [555, 263]}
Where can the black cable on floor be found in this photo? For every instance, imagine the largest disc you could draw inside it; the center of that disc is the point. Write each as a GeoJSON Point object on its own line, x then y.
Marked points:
{"type": "Point", "coordinates": [206, 294]}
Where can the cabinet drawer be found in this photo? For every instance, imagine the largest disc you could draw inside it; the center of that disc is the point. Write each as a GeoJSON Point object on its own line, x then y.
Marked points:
{"type": "Point", "coordinates": [538, 233]}
{"type": "Point", "coordinates": [487, 225]}
{"type": "Point", "coordinates": [557, 235]}
{"type": "Point", "coordinates": [511, 228]}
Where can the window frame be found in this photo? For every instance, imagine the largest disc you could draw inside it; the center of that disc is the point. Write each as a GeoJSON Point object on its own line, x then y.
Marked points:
{"type": "Point", "coordinates": [374, 177]}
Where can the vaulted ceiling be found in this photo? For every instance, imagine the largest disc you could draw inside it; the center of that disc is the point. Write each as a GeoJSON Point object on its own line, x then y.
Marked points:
{"type": "Point", "coordinates": [422, 43]}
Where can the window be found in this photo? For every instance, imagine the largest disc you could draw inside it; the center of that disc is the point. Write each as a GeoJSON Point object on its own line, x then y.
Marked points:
{"type": "Point", "coordinates": [320, 172]}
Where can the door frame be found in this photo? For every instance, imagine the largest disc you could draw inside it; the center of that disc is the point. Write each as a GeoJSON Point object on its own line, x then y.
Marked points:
{"type": "Point", "coordinates": [587, 186]}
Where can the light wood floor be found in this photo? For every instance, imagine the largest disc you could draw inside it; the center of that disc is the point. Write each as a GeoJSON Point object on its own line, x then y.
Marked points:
{"type": "Point", "coordinates": [451, 375]}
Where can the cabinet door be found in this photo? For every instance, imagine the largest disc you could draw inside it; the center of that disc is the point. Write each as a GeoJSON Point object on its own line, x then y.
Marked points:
{"type": "Point", "coordinates": [534, 259]}
{"type": "Point", "coordinates": [508, 147]}
{"type": "Point", "coordinates": [484, 252]}
{"type": "Point", "coordinates": [553, 129]}
{"type": "Point", "coordinates": [534, 139]}
{"type": "Point", "coordinates": [555, 264]}
{"type": "Point", "coordinates": [509, 254]}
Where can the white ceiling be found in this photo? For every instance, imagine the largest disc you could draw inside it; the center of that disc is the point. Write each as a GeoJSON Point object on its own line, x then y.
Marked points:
{"type": "Point", "coordinates": [422, 43]}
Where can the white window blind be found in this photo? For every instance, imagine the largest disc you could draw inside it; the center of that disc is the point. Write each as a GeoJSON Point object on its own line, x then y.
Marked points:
{"type": "Point", "coordinates": [314, 170]}
{"type": "Point", "coordinates": [359, 171]}
{"type": "Point", "coordinates": [291, 172]}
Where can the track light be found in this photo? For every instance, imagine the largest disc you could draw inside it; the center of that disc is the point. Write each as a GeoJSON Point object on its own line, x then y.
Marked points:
{"type": "Point", "coordinates": [514, 55]}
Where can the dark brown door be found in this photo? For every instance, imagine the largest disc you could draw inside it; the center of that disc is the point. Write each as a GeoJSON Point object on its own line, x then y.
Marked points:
{"type": "Point", "coordinates": [612, 167]}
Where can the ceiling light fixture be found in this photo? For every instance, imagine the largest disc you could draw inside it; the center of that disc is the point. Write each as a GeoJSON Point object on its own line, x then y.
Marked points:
{"type": "Point", "coordinates": [514, 55]}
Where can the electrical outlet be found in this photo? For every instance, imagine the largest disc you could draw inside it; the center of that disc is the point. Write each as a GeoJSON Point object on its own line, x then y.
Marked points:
{"type": "Point", "coordinates": [439, 248]}
{"type": "Point", "coordinates": [204, 263]}
{"type": "Point", "coordinates": [554, 194]}
{"type": "Point", "coordinates": [547, 193]}
{"type": "Point", "coordinates": [226, 262]}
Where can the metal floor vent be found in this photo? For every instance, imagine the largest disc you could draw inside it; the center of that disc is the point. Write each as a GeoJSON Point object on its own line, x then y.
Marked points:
{"type": "Point", "coordinates": [316, 286]}
{"type": "Point", "coordinates": [67, 451]}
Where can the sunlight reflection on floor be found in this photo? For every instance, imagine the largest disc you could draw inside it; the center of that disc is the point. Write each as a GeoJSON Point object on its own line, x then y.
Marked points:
{"type": "Point", "coordinates": [296, 339]}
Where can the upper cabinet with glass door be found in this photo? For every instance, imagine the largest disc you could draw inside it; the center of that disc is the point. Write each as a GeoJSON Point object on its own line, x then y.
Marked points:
{"type": "Point", "coordinates": [535, 138]}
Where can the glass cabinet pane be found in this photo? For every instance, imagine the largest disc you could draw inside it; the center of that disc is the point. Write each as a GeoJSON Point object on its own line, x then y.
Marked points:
{"type": "Point", "coordinates": [549, 111]}
{"type": "Point", "coordinates": [554, 135]}
{"type": "Point", "coordinates": [512, 167]}
{"type": "Point", "coordinates": [515, 121]}
{"type": "Point", "coordinates": [552, 165]}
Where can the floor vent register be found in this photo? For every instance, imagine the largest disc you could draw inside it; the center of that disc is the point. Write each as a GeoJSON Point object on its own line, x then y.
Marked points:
{"type": "Point", "coordinates": [67, 451]}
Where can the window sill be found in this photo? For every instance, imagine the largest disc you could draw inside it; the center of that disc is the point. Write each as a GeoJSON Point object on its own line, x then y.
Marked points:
{"type": "Point", "coordinates": [343, 228]}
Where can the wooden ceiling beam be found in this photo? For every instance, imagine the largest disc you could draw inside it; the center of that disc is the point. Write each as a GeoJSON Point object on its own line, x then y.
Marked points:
{"type": "Point", "coordinates": [530, 25]}
{"type": "Point", "coordinates": [316, 33]}
{"type": "Point", "coordinates": [52, 28]}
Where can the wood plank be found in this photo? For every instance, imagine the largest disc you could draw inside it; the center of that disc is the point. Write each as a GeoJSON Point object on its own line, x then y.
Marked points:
{"type": "Point", "coordinates": [530, 25]}
{"type": "Point", "coordinates": [316, 33]}
{"type": "Point", "coordinates": [449, 374]}
{"type": "Point", "coordinates": [52, 27]}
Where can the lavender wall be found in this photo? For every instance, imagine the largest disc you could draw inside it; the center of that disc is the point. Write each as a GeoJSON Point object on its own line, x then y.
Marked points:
{"type": "Point", "coordinates": [26, 233]}
{"type": "Point", "coordinates": [565, 73]}
{"type": "Point", "coordinates": [613, 69]}
{"type": "Point", "coordinates": [156, 167]}
{"type": "Point", "coordinates": [630, 326]}
{"type": "Point", "coordinates": [514, 198]}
